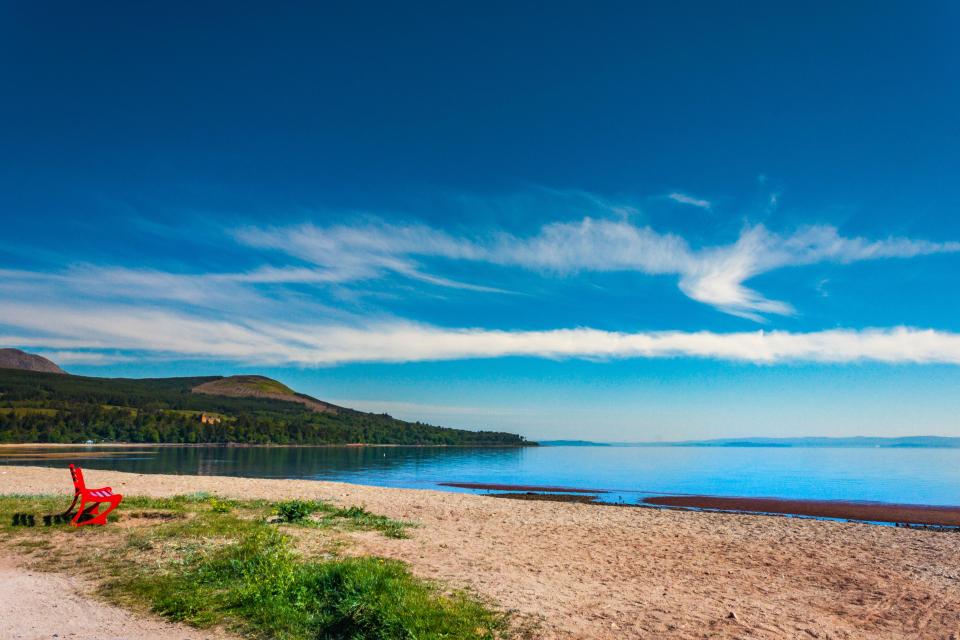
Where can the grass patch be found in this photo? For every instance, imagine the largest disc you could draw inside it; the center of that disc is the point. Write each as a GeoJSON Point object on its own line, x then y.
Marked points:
{"type": "Point", "coordinates": [322, 514]}
{"type": "Point", "coordinates": [208, 561]}
{"type": "Point", "coordinates": [118, 407]}
{"type": "Point", "coordinates": [34, 545]}
{"type": "Point", "coordinates": [221, 506]}
{"type": "Point", "coordinates": [192, 413]}
{"type": "Point", "coordinates": [264, 586]}
{"type": "Point", "coordinates": [296, 510]}
{"type": "Point", "coordinates": [39, 505]}
{"type": "Point", "coordinates": [360, 518]}
{"type": "Point", "coordinates": [26, 411]}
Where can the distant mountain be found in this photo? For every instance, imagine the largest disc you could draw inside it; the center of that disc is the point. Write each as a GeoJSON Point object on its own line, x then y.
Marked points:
{"type": "Point", "coordinates": [572, 443]}
{"type": "Point", "coordinates": [48, 407]}
{"type": "Point", "coordinates": [17, 359]}
{"type": "Point", "coordinates": [862, 442]}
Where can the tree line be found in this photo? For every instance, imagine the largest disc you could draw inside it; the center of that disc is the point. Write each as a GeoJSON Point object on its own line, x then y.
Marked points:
{"type": "Point", "coordinates": [42, 407]}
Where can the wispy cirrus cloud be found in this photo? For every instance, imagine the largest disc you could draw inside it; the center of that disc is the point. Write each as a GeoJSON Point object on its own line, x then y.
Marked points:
{"type": "Point", "coordinates": [371, 249]}
{"type": "Point", "coordinates": [66, 358]}
{"type": "Point", "coordinates": [153, 333]}
{"type": "Point", "coordinates": [683, 198]}
{"type": "Point", "coordinates": [715, 275]}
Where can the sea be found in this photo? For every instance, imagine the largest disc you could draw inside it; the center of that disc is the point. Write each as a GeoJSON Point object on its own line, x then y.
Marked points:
{"type": "Point", "coordinates": [617, 474]}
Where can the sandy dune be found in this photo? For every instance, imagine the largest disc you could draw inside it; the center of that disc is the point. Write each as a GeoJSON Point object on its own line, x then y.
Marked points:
{"type": "Point", "coordinates": [587, 571]}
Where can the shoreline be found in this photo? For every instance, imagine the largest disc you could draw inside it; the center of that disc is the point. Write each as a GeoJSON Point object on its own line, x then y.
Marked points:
{"type": "Point", "coordinates": [120, 445]}
{"type": "Point", "coordinates": [518, 487]}
{"type": "Point", "coordinates": [931, 515]}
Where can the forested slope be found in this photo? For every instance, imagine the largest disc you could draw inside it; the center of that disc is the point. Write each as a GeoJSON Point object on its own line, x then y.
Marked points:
{"type": "Point", "coordinates": [48, 407]}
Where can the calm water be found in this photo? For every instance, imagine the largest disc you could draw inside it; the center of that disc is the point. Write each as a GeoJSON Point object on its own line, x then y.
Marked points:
{"type": "Point", "coordinates": [925, 476]}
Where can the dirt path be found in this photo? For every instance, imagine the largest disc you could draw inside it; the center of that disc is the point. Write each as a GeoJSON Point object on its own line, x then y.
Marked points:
{"type": "Point", "coordinates": [35, 606]}
{"type": "Point", "coordinates": [602, 572]}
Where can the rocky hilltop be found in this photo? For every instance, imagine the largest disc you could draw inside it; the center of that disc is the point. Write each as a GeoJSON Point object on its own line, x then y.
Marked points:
{"type": "Point", "coordinates": [17, 359]}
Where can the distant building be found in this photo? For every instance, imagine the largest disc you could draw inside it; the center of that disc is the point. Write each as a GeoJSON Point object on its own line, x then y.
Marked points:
{"type": "Point", "coordinates": [208, 419]}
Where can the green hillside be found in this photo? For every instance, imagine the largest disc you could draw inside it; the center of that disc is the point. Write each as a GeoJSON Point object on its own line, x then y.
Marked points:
{"type": "Point", "coordinates": [49, 407]}
{"type": "Point", "coordinates": [249, 384]}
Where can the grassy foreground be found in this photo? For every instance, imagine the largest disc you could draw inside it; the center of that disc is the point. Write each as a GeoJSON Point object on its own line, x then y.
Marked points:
{"type": "Point", "coordinates": [272, 570]}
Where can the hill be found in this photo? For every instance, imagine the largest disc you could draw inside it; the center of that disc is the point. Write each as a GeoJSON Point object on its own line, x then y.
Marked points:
{"type": "Point", "coordinates": [50, 407]}
{"type": "Point", "coordinates": [262, 387]}
{"type": "Point", "coordinates": [16, 359]}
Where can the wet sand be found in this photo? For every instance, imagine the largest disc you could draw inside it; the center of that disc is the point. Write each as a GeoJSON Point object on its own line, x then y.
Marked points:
{"type": "Point", "coordinates": [550, 497]}
{"type": "Point", "coordinates": [864, 511]}
{"type": "Point", "coordinates": [591, 571]}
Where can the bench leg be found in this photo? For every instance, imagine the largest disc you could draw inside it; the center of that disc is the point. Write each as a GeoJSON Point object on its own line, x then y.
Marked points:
{"type": "Point", "coordinates": [66, 515]}
{"type": "Point", "coordinates": [100, 517]}
{"type": "Point", "coordinates": [76, 517]}
{"type": "Point", "coordinates": [87, 512]}
{"type": "Point", "coordinates": [113, 503]}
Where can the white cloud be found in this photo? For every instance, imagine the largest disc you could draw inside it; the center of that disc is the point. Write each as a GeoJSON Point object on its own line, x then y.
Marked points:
{"type": "Point", "coordinates": [161, 334]}
{"type": "Point", "coordinates": [64, 358]}
{"type": "Point", "coordinates": [364, 251]}
{"type": "Point", "coordinates": [341, 256]}
{"type": "Point", "coordinates": [714, 275]}
{"type": "Point", "coordinates": [683, 198]}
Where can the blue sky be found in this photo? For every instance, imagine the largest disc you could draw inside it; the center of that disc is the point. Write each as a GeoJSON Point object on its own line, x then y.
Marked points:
{"type": "Point", "coordinates": [599, 220]}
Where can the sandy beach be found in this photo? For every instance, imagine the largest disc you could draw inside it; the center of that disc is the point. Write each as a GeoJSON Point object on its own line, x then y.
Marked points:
{"type": "Point", "coordinates": [573, 570]}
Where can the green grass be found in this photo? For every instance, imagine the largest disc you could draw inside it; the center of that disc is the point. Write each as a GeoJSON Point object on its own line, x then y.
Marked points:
{"type": "Point", "coordinates": [265, 384]}
{"type": "Point", "coordinates": [262, 585]}
{"type": "Point", "coordinates": [254, 383]}
{"type": "Point", "coordinates": [25, 411]}
{"type": "Point", "coordinates": [38, 505]}
{"type": "Point", "coordinates": [191, 413]}
{"type": "Point", "coordinates": [210, 561]}
{"type": "Point", "coordinates": [296, 510]}
{"type": "Point", "coordinates": [119, 407]}
{"type": "Point", "coordinates": [328, 515]}
{"type": "Point", "coordinates": [360, 518]}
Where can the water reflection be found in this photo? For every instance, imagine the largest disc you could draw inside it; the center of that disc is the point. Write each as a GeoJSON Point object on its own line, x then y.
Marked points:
{"type": "Point", "coordinates": [384, 466]}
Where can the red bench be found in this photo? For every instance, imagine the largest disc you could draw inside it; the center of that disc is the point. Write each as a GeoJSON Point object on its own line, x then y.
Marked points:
{"type": "Point", "coordinates": [94, 498]}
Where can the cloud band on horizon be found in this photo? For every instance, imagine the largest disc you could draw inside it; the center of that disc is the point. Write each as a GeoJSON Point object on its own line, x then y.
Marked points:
{"type": "Point", "coordinates": [153, 334]}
